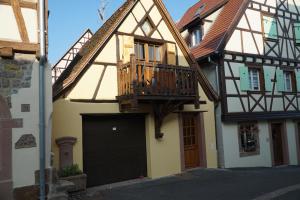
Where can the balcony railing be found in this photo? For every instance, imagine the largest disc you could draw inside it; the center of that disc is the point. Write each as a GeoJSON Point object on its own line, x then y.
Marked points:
{"type": "Point", "coordinates": [157, 80]}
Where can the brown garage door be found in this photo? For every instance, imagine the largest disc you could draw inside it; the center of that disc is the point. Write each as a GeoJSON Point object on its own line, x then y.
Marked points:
{"type": "Point", "coordinates": [114, 148]}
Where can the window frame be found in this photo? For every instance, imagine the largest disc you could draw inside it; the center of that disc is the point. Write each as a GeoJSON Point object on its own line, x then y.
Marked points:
{"type": "Point", "coordinates": [146, 45]}
{"type": "Point", "coordinates": [191, 34]}
{"type": "Point", "coordinates": [244, 153]}
{"type": "Point", "coordinates": [292, 81]}
{"type": "Point", "coordinates": [261, 79]}
{"type": "Point", "coordinates": [264, 14]}
{"type": "Point", "coordinates": [152, 26]}
{"type": "Point", "coordinates": [294, 33]}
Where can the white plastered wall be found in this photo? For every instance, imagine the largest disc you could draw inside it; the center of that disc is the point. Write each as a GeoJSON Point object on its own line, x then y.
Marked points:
{"type": "Point", "coordinates": [26, 160]}
{"type": "Point", "coordinates": [232, 152]}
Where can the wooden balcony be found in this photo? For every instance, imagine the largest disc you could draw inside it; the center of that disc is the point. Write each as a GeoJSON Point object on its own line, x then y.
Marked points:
{"type": "Point", "coordinates": [153, 81]}
{"type": "Point", "coordinates": [166, 87]}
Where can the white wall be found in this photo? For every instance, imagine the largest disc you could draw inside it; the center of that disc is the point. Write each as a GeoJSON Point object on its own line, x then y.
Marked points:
{"type": "Point", "coordinates": [232, 152]}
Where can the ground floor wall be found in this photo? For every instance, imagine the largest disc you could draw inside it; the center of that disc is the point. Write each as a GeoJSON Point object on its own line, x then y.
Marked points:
{"type": "Point", "coordinates": [19, 94]}
{"type": "Point", "coordinates": [264, 157]}
{"type": "Point", "coordinates": [164, 156]}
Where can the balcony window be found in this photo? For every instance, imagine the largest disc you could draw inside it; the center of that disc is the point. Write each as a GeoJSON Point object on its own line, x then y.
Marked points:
{"type": "Point", "coordinates": [147, 52]}
{"type": "Point", "coordinates": [139, 50]}
{"type": "Point", "coordinates": [154, 53]}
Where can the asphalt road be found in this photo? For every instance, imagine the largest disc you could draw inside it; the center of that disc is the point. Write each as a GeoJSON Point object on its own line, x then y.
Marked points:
{"type": "Point", "coordinates": [281, 183]}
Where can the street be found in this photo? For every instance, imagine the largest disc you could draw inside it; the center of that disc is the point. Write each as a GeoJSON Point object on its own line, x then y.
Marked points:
{"type": "Point", "coordinates": [282, 183]}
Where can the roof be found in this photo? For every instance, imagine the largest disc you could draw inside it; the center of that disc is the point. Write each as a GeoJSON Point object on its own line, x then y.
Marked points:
{"type": "Point", "coordinates": [205, 7]}
{"type": "Point", "coordinates": [221, 30]}
{"type": "Point", "coordinates": [99, 39]}
{"type": "Point", "coordinates": [90, 49]}
{"type": "Point", "coordinates": [67, 58]}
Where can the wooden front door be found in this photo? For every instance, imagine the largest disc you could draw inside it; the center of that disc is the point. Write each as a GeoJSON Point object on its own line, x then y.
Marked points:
{"type": "Point", "coordinates": [277, 140]}
{"type": "Point", "coordinates": [191, 140]}
{"type": "Point", "coordinates": [114, 148]}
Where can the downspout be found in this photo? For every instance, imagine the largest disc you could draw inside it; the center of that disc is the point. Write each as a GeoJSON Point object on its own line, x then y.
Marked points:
{"type": "Point", "coordinates": [219, 140]}
{"type": "Point", "coordinates": [42, 65]}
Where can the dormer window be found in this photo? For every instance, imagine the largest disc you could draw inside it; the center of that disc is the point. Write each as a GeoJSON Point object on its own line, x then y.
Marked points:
{"type": "Point", "coordinates": [147, 27]}
{"type": "Point", "coordinates": [196, 37]}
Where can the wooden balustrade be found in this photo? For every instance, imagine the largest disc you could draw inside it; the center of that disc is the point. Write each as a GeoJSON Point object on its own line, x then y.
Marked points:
{"type": "Point", "coordinates": [153, 79]}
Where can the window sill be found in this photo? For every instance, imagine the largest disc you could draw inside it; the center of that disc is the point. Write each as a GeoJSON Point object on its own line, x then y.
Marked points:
{"type": "Point", "coordinates": [271, 39]}
{"type": "Point", "coordinates": [247, 154]}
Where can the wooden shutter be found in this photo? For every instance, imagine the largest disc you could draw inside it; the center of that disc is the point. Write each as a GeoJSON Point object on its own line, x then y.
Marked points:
{"type": "Point", "coordinates": [244, 78]}
{"type": "Point", "coordinates": [279, 80]}
{"type": "Point", "coordinates": [270, 27]}
{"type": "Point", "coordinates": [297, 32]}
{"type": "Point", "coordinates": [267, 77]}
{"type": "Point", "coordinates": [171, 53]}
{"type": "Point", "coordinates": [297, 73]}
{"type": "Point", "coordinates": [128, 47]}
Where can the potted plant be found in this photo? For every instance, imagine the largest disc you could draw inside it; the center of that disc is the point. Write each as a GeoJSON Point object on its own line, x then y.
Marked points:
{"type": "Point", "coordinates": [73, 174]}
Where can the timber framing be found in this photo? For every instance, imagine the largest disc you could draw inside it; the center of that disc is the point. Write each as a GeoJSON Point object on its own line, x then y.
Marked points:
{"type": "Point", "coordinates": [101, 37]}
{"type": "Point", "coordinates": [9, 47]}
{"type": "Point", "coordinates": [23, 4]}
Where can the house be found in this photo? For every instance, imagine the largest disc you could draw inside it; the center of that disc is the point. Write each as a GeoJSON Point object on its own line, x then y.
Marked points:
{"type": "Point", "coordinates": [19, 102]}
{"type": "Point", "coordinates": [133, 101]}
{"type": "Point", "coordinates": [67, 58]}
{"type": "Point", "coordinates": [249, 50]}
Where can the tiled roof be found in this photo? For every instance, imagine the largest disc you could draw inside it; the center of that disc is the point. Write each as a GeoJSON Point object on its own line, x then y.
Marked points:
{"type": "Point", "coordinates": [204, 6]}
{"type": "Point", "coordinates": [221, 29]}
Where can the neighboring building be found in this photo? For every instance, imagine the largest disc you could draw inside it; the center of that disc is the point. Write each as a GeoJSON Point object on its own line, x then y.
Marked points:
{"type": "Point", "coordinates": [135, 101]}
{"type": "Point", "coordinates": [249, 50]}
{"type": "Point", "coordinates": [19, 103]}
{"type": "Point", "coordinates": [65, 61]}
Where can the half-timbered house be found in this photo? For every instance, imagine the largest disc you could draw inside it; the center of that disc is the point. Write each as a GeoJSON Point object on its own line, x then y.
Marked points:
{"type": "Point", "coordinates": [19, 102]}
{"type": "Point", "coordinates": [249, 50]}
{"type": "Point", "coordinates": [134, 100]}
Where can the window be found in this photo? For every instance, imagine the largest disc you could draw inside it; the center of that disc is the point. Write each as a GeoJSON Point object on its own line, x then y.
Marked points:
{"type": "Point", "coordinates": [147, 52]}
{"type": "Point", "coordinates": [297, 32]}
{"type": "Point", "coordinates": [248, 139]}
{"type": "Point", "coordinates": [196, 37]}
{"type": "Point", "coordinates": [147, 27]}
{"type": "Point", "coordinates": [287, 82]}
{"type": "Point", "coordinates": [154, 53]}
{"type": "Point", "coordinates": [139, 49]}
{"type": "Point", "coordinates": [270, 27]}
{"type": "Point", "coordinates": [254, 81]}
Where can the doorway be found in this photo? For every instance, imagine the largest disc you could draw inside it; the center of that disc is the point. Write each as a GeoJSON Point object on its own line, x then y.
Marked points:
{"type": "Point", "coordinates": [279, 147]}
{"type": "Point", "coordinates": [193, 141]}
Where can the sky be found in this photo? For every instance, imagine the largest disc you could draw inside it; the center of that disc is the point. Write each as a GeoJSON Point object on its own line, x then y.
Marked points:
{"type": "Point", "coordinates": [70, 18]}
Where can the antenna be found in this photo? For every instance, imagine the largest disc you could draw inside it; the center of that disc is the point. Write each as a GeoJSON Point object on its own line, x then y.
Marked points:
{"type": "Point", "coordinates": [101, 10]}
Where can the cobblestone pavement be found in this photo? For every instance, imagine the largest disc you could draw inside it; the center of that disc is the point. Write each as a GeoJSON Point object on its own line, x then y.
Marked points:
{"type": "Point", "coordinates": [281, 183]}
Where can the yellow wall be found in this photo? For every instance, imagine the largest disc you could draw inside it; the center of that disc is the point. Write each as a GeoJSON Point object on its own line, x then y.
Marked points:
{"type": "Point", "coordinates": [163, 156]}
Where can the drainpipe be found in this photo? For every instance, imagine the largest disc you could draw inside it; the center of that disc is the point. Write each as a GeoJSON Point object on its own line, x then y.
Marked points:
{"type": "Point", "coordinates": [42, 65]}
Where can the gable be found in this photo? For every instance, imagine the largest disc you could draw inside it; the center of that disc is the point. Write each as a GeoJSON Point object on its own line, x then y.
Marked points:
{"type": "Point", "coordinates": [266, 28]}
{"type": "Point", "coordinates": [115, 42]}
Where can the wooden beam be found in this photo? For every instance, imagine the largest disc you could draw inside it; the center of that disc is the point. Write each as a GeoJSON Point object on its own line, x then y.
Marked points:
{"type": "Point", "coordinates": [20, 46]}
{"type": "Point", "coordinates": [20, 20]}
{"type": "Point", "coordinates": [23, 4]}
{"type": "Point", "coordinates": [6, 52]}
